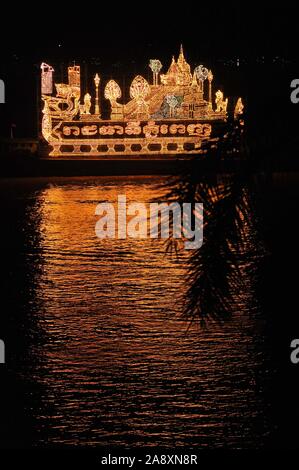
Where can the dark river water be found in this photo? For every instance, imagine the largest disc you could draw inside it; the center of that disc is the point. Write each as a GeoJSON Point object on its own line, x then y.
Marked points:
{"type": "Point", "coordinates": [97, 352]}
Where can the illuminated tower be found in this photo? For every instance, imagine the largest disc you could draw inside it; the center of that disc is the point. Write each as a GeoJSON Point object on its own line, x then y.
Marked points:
{"type": "Point", "coordinates": [179, 73]}
{"type": "Point", "coordinates": [185, 76]}
{"type": "Point", "coordinates": [74, 76]}
{"type": "Point", "coordinates": [46, 79]}
{"type": "Point", "coordinates": [74, 80]}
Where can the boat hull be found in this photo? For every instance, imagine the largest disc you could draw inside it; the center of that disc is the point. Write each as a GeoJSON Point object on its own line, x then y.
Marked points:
{"type": "Point", "coordinates": [145, 138]}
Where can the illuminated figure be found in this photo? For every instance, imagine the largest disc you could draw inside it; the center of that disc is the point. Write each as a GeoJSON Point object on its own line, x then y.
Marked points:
{"type": "Point", "coordinates": [239, 108]}
{"type": "Point", "coordinates": [87, 104]}
{"type": "Point", "coordinates": [221, 104]}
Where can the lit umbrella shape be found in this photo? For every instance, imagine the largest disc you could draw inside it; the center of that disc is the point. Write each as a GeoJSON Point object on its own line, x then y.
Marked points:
{"type": "Point", "coordinates": [201, 73]}
{"type": "Point", "coordinates": [155, 66]}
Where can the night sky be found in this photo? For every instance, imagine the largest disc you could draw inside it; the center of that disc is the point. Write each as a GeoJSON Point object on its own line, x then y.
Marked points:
{"type": "Point", "coordinates": [114, 33]}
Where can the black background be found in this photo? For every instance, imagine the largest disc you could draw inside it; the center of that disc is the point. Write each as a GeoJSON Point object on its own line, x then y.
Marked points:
{"type": "Point", "coordinates": [118, 41]}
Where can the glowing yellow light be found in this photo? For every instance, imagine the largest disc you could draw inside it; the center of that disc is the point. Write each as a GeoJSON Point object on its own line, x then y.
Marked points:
{"type": "Point", "coordinates": [139, 88]}
{"type": "Point", "coordinates": [97, 82]}
{"type": "Point", "coordinates": [112, 91]}
{"type": "Point", "coordinates": [239, 108]}
{"type": "Point", "coordinates": [74, 76]}
{"type": "Point", "coordinates": [221, 104]}
{"type": "Point", "coordinates": [179, 73]}
{"type": "Point", "coordinates": [87, 104]}
{"type": "Point", "coordinates": [210, 79]}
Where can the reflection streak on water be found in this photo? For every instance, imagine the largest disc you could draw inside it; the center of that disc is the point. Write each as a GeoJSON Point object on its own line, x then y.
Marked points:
{"type": "Point", "coordinates": [117, 365]}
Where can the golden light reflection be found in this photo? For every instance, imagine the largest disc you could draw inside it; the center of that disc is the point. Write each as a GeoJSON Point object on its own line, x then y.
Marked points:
{"type": "Point", "coordinates": [116, 360]}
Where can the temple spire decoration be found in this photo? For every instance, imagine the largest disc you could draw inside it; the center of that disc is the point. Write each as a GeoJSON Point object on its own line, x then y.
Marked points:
{"type": "Point", "coordinates": [179, 73]}
{"type": "Point", "coordinates": [181, 58]}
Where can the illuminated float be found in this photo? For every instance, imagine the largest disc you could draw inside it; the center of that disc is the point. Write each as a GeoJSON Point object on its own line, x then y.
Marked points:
{"type": "Point", "coordinates": [171, 116]}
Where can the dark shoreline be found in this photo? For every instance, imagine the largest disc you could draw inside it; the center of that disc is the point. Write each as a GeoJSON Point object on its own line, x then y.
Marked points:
{"type": "Point", "coordinates": [29, 167]}
{"type": "Point", "coordinates": [25, 166]}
